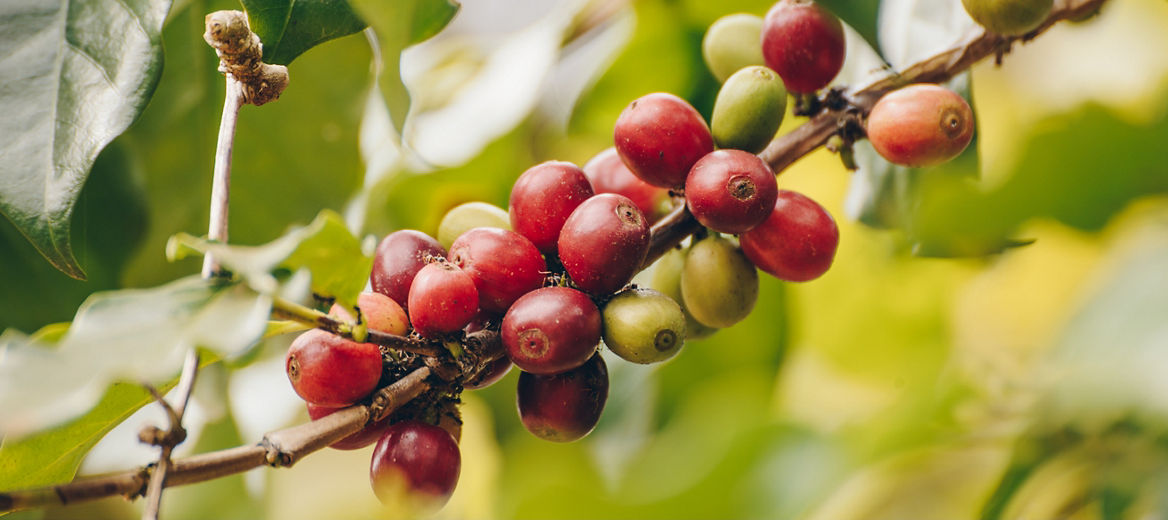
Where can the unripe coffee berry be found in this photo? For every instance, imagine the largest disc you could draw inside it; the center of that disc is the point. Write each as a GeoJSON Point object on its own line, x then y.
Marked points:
{"type": "Point", "coordinates": [503, 264]}
{"type": "Point", "coordinates": [643, 326]}
{"type": "Point", "coordinates": [400, 255]}
{"type": "Point", "coordinates": [1008, 17]}
{"type": "Point", "coordinates": [331, 371]}
{"type": "Point", "coordinates": [566, 406]}
{"type": "Point", "coordinates": [379, 311]}
{"type": "Point", "coordinates": [603, 243]}
{"type": "Point", "coordinates": [804, 43]}
{"type": "Point", "coordinates": [920, 125]}
{"type": "Point", "coordinates": [731, 43]}
{"type": "Point", "coordinates": [467, 216]}
{"type": "Point", "coordinates": [443, 299]}
{"type": "Point", "coordinates": [543, 197]}
{"type": "Point", "coordinates": [749, 109]}
{"type": "Point", "coordinates": [719, 285]}
{"type": "Point", "coordinates": [731, 191]}
{"type": "Point", "coordinates": [551, 330]}
{"type": "Point", "coordinates": [796, 243]}
{"type": "Point", "coordinates": [659, 137]}
{"type": "Point", "coordinates": [667, 280]}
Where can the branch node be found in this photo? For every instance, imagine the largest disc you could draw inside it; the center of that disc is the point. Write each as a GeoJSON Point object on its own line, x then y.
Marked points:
{"type": "Point", "coordinates": [241, 57]}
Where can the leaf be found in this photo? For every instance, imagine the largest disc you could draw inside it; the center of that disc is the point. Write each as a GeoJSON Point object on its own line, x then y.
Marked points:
{"type": "Point", "coordinates": [287, 28]}
{"type": "Point", "coordinates": [336, 260]}
{"type": "Point", "coordinates": [76, 75]}
{"type": "Point", "coordinates": [130, 335]}
{"type": "Point", "coordinates": [398, 25]}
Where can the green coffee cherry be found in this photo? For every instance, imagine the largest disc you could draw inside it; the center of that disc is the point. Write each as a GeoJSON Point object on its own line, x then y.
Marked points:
{"type": "Point", "coordinates": [732, 42]}
{"type": "Point", "coordinates": [749, 109]}
{"type": "Point", "coordinates": [718, 284]}
{"type": "Point", "coordinates": [643, 326]}
{"type": "Point", "coordinates": [667, 279]}
{"type": "Point", "coordinates": [1008, 17]}
{"type": "Point", "coordinates": [465, 217]}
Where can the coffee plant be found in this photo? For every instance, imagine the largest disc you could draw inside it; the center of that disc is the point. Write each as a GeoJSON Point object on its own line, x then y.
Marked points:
{"type": "Point", "coordinates": [931, 284]}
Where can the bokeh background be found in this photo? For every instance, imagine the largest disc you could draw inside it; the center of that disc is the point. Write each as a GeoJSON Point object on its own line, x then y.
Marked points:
{"type": "Point", "coordinates": [1030, 383]}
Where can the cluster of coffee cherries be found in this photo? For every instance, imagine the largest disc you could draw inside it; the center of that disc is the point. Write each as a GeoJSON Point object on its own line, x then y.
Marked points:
{"type": "Point", "coordinates": [551, 275]}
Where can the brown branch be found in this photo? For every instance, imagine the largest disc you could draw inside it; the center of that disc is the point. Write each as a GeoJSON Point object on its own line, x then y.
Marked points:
{"type": "Point", "coordinates": [173, 436]}
{"type": "Point", "coordinates": [294, 311]}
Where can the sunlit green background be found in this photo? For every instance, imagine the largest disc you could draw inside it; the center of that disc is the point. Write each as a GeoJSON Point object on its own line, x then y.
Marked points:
{"type": "Point", "coordinates": [1030, 384]}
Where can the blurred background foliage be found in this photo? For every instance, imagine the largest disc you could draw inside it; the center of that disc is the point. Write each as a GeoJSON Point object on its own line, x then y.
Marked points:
{"type": "Point", "coordinates": [1027, 384]}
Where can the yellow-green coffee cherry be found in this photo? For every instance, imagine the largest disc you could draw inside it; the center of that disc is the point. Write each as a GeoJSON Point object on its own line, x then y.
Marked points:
{"type": "Point", "coordinates": [718, 284]}
{"type": "Point", "coordinates": [1008, 17]}
{"type": "Point", "coordinates": [732, 42]}
{"type": "Point", "coordinates": [749, 109]}
{"type": "Point", "coordinates": [465, 217]}
{"type": "Point", "coordinates": [667, 280]}
{"type": "Point", "coordinates": [643, 326]}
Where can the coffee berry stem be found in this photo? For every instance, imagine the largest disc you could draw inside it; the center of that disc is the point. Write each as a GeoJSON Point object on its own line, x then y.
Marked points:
{"type": "Point", "coordinates": [351, 330]}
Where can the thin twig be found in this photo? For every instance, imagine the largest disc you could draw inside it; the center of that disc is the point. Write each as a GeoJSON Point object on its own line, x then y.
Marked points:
{"type": "Point", "coordinates": [172, 437]}
{"type": "Point", "coordinates": [282, 308]}
{"type": "Point", "coordinates": [221, 182]}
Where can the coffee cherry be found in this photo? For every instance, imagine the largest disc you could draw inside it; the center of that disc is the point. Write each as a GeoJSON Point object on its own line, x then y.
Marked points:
{"type": "Point", "coordinates": [643, 326]}
{"type": "Point", "coordinates": [667, 280]}
{"type": "Point", "coordinates": [399, 257]}
{"type": "Point", "coordinates": [804, 43]}
{"type": "Point", "coordinates": [659, 137]}
{"type": "Point", "coordinates": [328, 370]}
{"type": "Point", "coordinates": [749, 109]}
{"type": "Point", "coordinates": [731, 191]}
{"type": "Point", "coordinates": [1008, 17]}
{"type": "Point", "coordinates": [719, 285]}
{"type": "Point", "coordinates": [415, 467]}
{"type": "Point", "coordinates": [503, 265]}
{"type": "Point", "coordinates": [470, 215]}
{"type": "Point", "coordinates": [731, 43]}
{"type": "Point", "coordinates": [543, 197]}
{"type": "Point", "coordinates": [563, 407]}
{"type": "Point", "coordinates": [608, 174]}
{"type": "Point", "coordinates": [380, 313]}
{"type": "Point", "coordinates": [491, 374]}
{"type": "Point", "coordinates": [603, 243]}
{"type": "Point", "coordinates": [920, 125]}
{"type": "Point", "coordinates": [362, 438]}
{"type": "Point", "coordinates": [551, 330]}
{"type": "Point", "coordinates": [796, 243]}
{"type": "Point", "coordinates": [443, 299]}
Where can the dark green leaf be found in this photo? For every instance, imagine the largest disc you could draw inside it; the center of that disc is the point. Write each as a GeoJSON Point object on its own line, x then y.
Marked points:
{"type": "Point", "coordinates": [76, 75]}
{"type": "Point", "coordinates": [287, 28]}
{"type": "Point", "coordinates": [398, 25]}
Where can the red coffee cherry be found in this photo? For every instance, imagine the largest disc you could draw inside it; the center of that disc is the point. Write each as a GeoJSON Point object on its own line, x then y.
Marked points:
{"type": "Point", "coordinates": [443, 299]}
{"type": "Point", "coordinates": [920, 125]}
{"type": "Point", "coordinates": [328, 370]}
{"type": "Point", "coordinates": [608, 174]}
{"type": "Point", "coordinates": [503, 264]}
{"type": "Point", "coordinates": [659, 137]}
{"type": "Point", "coordinates": [551, 330]}
{"type": "Point", "coordinates": [731, 191]}
{"type": "Point", "coordinates": [543, 197]}
{"type": "Point", "coordinates": [399, 257]}
{"type": "Point", "coordinates": [415, 467]}
{"type": "Point", "coordinates": [563, 407]}
{"type": "Point", "coordinates": [603, 243]}
{"type": "Point", "coordinates": [380, 312]}
{"type": "Point", "coordinates": [796, 243]}
{"type": "Point", "coordinates": [804, 43]}
{"type": "Point", "coordinates": [362, 438]}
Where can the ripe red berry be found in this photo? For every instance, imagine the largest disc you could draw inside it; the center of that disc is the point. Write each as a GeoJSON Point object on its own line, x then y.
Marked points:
{"type": "Point", "coordinates": [399, 257]}
{"type": "Point", "coordinates": [796, 243]}
{"type": "Point", "coordinates": [804, 43]}
{"type": "Point", "coordinates": [543, 197]}
{"type": "Point", "coordinates": [563, 407]}
{"type": "Point", "coordinates": [659, 137]}
{"type": "Point", "coordinates": [362, 438]}
{"type": "Point", "coordinates": [551, 330]}
{"type": "Point", "coordinates": [328, 370]}
{"type": "Point", "coordinates": [920, 125]}
{"type": "Point", "coordinates": [443, 299]}
{"type": "Point", "coordinates": [415, 467]}
{"type": "Point", "coordinates": [503, 264]}
{"type": "Point", "coordinates": [608, 174]}
{"type": "Point", "coordinates": [731, 191]}
{"type": "Point", "coordinates": [380, 313]}
{"type": "Point", "coordinates": [603, 243]}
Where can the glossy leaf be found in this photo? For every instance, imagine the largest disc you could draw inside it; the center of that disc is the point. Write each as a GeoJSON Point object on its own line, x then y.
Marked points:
{"type": "Point", "coordinates": [76, 75]}
{"type": "Point", "coordinates": [336, 260]}
{"type": "Point", "coordinates": [287, 28]}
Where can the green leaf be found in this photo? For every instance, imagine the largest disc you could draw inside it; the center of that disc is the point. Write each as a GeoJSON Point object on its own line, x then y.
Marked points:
{"type": "Point", "coordinates": [398, 25]}
{"type": "Point", "coordinates": [131, 335]}
{"type": "Point", "coordinates": [287, 28]}
{"type": "Point", "coordinates": [76, 75]}
{"type": "Point", "coordinates": [336, 260]}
